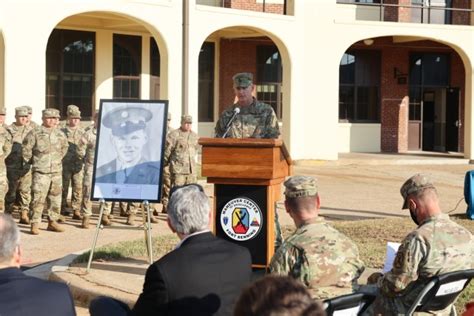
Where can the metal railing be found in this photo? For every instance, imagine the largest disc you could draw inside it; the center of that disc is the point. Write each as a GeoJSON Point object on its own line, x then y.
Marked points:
{"type": "Point", "coordinates": [426, 9]}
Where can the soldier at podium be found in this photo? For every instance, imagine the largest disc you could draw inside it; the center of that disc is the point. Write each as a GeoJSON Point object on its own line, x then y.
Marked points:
{"type": "Point", "coordinates": [248, 118]}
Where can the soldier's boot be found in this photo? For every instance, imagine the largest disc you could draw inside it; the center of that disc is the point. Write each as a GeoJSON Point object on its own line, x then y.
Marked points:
{"type": "Point", "coordinates": [77, 215]}
{"type": "Point", "coordinates": [153, 219]}
{"type": "Point", "coordinates": [24, 219]}
{"type": "Point", "coordinates": [130, 220]}
{"type": "Point", "coordinates": [34, 229]}
{"type": "Point", "coordinates": [123, 213]}
{"type": "Point", "coordinates": [61, 219]}
{"type": "Point", "coordinates": [106, 220]}
{"type": "Point", "coordinates": [85, 221]}
{"type": "Point", "coordinates": [111, 216]}
{"type": "Point", "coordinates": [54, 227]}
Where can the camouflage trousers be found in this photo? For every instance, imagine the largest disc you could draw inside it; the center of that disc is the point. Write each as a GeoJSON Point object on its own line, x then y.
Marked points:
{"type": "Point", "coordinates": [165, 192]}
{"type": "Point", "coordinates": [3, 187]}
{"type": "Point", "coordinates": [182, 179]}
{"type": "Point", "coordinates": [74, 178]}
{"type": "Point", "coordinates": [47, 188]}
{"type": "Point", "coordinates": [131, 207]}
{"type": "Point", "coordinates": [86, 205]}
{"type": "Point", "coordinates": [18, 196]}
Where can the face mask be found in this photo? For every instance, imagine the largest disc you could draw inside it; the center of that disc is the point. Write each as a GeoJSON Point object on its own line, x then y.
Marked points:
{"type": "Point", "coordinates": [413, 216]}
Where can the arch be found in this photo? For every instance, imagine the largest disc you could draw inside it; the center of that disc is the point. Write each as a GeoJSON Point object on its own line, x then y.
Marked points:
{"type": "Point", "coordinates": [402, 41]}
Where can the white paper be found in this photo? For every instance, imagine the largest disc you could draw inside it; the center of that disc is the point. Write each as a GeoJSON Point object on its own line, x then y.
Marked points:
{"type": "Point", "coordinates": [392, 248]}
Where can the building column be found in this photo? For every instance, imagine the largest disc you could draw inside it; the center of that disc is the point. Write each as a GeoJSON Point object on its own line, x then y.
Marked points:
{"type": "Point", "coordinates": [104, 53]}
{"type": "Point", "coordinates": [468, 116]}
{"type": "Point", "coordinates": [145, 73]}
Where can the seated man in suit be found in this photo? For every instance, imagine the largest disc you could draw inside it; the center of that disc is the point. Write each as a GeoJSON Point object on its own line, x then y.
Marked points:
{"type": "Point", "coordinates": [202, 276]}
{"type": "Point", "coordinates": [21, 294]}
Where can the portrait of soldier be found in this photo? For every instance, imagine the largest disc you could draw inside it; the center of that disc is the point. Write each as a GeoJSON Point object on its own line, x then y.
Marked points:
{"type": "Point", "coordinates": [128, 138]}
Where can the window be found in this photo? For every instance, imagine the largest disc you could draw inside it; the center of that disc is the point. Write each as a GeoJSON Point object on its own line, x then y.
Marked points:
{"type": "Point", "coordinates": [127, 66]}
{"type": "Point", "coordinates": [70, 70]}
{"type": "Point", "coordinates": [206, 83]}
{"type": "Point", "coordinates": [269, 74]}
{"type": "Point", "coordinates": [359, 85]}
{"type": "Point", "coordinates": [431, 11]}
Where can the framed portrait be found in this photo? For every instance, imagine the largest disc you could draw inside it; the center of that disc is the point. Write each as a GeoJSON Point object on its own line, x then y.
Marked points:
{"type": "Point", "coordinates": [128, 160]}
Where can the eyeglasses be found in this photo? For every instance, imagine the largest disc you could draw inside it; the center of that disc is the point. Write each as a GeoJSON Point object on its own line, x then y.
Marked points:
{"type": "Point", "coordinates": [198, 186]}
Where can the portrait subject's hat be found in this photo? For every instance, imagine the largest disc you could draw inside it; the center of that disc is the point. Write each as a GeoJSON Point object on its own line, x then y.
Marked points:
{"type": "Point", "coordinates": [300, 186]}
{"type": "Point", "coordinates": [126, 119]}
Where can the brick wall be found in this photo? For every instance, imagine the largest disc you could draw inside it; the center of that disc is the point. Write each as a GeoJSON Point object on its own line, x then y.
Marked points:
{"type": "Point", "coordinates": [252, 5]}
{"type": "Point", "coordinates": [459, 17]}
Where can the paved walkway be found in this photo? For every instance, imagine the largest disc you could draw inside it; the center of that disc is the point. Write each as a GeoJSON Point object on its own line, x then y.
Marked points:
{"type": "Point", "coordinates": [358, 186]}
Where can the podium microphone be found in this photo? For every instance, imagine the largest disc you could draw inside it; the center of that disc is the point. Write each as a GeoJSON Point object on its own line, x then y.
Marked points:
{"type": "Point", "coordinates": [227, 126]}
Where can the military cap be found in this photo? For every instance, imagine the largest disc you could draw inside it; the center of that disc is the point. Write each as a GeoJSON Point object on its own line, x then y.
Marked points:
{"type": "Point", "coordinates": [29, 108]}
{"type": "Point", "coordinates": [126, 119]}
{"type": "Point", "coordinates": [48, 113]}
{"type": "Point", "coordinates": [169, 116]}
{"type": "Point", "coordinates": [73, 111]}
{"type": "Point", "coordinates": [242, 79]}
{"type": "Point", "coordinates": [186, 119]}
{"type": "Point", "coordinates": [300, 186]}
{"type": "Point", "coordinates": [415, 184]}
{"type": "Point", "coordinates": [3, 111]}
{"type": "Point", "coordinates": [21, 111]}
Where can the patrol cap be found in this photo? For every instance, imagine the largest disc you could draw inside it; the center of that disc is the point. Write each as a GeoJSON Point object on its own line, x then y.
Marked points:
{"type": "Point", "coordinates": [169, 116]}
{"type": "Point", "coordinates": [126, 119]}
{"type": "Point", "coordinates": [415, 184]}
{"type": "Point", "coordinates": [3, 111]}
{"type": "Point", "coordinates": [21, 111]}
{"type": "Point", "coordinates": [49, 113]}
{"type": "Point", "coordinates": [242, 79]}
{"type": "Point", "coordinates": [29, 108]}
{"type": "Point", "coordinates": [73, 111]}
{"type": "Point", "coordinates": [186, 119]}
{"type": "Point", "coordinates": [300, 186]}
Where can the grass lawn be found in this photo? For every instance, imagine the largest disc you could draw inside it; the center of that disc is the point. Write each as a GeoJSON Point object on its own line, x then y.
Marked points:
{"type": "Point", "coordinates": [371, 237]}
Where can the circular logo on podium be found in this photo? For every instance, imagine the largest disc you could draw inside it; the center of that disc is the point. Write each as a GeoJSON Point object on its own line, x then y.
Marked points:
{"type": "Point", "coordinates": [241, 219]}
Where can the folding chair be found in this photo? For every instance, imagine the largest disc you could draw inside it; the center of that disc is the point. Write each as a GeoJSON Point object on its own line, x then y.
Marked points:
{"type": "Point", "coordinates": [348, 305]}
{"type": "Point", "coordinates": [441, 291]}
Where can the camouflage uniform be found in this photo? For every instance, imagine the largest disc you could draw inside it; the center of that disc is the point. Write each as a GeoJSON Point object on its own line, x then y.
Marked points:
{"type": "Point", "coordinates": [166, 186]}
{"type": "Point", "coordinates": [5, 148]}
{"type": "Point", "coordinates": [19, 174]}
{"type": "Point", "coordinates": [318, 255]}
{"type": "Point", "coordinates": [44, 148]}
{"type": "Point", "coordinates": [72, 164]}
{"type": "Point", "coordinates": [437, 246]}
{"type": "Point", "coordinates": [257, 120]}
{"type": "Point", "coordinates": [180, 155]}
{"type": "Point", "coordinates": [86, 149]}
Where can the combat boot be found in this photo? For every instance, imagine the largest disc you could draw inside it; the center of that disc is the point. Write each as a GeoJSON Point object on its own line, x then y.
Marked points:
{"type": "Point", "coordinates": [77, 215]}
{"type": "Point", "coordinates": [85, 221]}
{"type": "Point", "coordinates": [130, 220]}
{"type": "Point", "coordinates": [24, 219]}
{"type": "Point", "coordinates": [35, 229]}
{"type": "Point", "coordinates": [105, 220]}
{"type": "Point", "coordinates": [61, 219]}
{"type": "Point", "coordinates": [54, 227]}
{"type": "Point", "coordinates": [153, 219]}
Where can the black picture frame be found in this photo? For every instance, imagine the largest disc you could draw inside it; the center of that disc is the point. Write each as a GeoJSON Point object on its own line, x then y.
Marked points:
{"type": "Point", "coordinates": [128, 164]}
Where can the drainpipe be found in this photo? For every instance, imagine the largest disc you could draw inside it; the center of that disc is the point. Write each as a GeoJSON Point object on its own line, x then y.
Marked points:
{"type": "Point", "coordinates": [185, 72]}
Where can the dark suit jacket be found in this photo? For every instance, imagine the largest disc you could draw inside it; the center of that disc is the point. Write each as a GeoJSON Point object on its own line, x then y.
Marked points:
{"type": "Point", "coordinates": [24, 295]}
{"type": "Point", "coordinates": [203, 277]}
{"type": "Point", "coordinates": [142, 173]}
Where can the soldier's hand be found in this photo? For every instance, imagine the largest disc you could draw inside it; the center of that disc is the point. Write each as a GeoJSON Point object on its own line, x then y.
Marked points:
{"type": "Point", "coordinates": [374, 277]}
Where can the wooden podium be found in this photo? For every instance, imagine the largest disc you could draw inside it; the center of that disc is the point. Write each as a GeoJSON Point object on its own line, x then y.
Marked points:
{"type": "Point", "coordinates": [247, 175]}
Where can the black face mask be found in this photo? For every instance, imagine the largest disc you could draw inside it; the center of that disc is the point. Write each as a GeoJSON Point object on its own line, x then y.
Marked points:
{"type": "Point", "coordinates": [413, 216]}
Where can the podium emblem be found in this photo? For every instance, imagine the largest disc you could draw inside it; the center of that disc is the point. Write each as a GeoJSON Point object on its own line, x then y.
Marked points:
{"type": "Point", "coordinates": [241, 219]}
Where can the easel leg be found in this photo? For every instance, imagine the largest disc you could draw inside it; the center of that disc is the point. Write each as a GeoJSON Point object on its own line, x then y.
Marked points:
{"type": "Point", "coordinates": [147, 229]}
{"type": "Point", "coordinates": [101, 212]}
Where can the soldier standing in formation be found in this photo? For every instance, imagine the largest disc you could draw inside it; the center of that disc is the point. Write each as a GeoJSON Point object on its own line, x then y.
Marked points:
{"type": "Point", "coordinates": [86, 149]}
{"type": "Point", "coordinates": [19, 174]}
{"type": "Point", "coordinates": [44, 148]}
{"type": "Point", "coordinates": [5, 148]}
{"type": "Point", "coordinates": [31, 123]}
{"type": "Point", "coordinates": [318, 255]}
{"type": "Point", "coordinates": [166, 175]}
{"type": "Point", "coordinates": [72, 162]}
{"type": "Point", "coordinates": [251, 118]}
{"type": "Point", "coordinates": [180, 153]}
